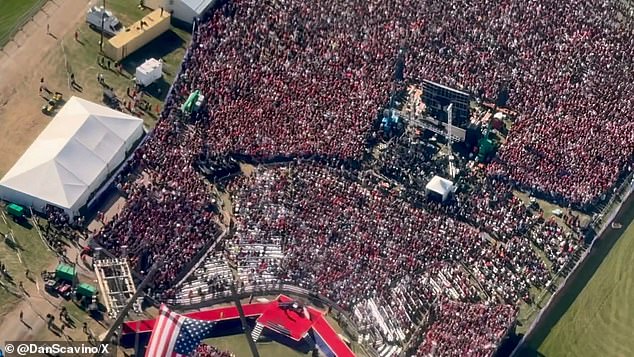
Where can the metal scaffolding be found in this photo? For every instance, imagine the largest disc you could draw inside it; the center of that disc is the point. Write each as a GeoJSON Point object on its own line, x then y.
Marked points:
{"type": "Point", "coordinates": [116, 283]}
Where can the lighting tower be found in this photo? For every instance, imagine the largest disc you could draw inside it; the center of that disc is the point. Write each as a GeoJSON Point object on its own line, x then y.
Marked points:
{"type": "Point", "coordinates": [450, 141]}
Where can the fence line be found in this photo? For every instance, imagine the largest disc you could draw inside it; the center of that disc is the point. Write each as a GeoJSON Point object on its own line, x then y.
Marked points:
{"type": "Point", "coordinates": [23, 20]}
{"type": "Point", "coordinates": [66, 64]}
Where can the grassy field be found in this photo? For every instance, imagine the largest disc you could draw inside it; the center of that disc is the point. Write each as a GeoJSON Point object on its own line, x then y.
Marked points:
{"type": "Point", "coordinates": [81, 59]}
{"type": "Point", "coordinates": [237, 345]}
{"type": "Point", "coordinates": [11, 14]}
{"type": "Point", "coordinates": [595, 315]}
{"type": "Point", "coordinates": [29, 253]}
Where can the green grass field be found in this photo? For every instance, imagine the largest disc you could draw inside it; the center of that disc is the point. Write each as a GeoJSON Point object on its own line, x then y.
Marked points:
{"type": "Point", "coordinates": [595, 315]}
{"type": "Point", "coordinates": [11, 13]}
{"type": "Point", "coordinates": [600, 322]}
{"type": "Point", "coordinates": [33, 255]}
{"type": "Point", "coordinates": [237, 345]}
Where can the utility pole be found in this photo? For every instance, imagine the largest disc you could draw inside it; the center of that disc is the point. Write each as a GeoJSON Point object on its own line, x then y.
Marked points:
{"type": "Point", "coordinates": [243, 320]}
{"type": "Point", "coordinates": [103, 19]}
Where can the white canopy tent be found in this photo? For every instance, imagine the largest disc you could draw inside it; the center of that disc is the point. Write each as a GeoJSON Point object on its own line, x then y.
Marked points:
{"type": "Point", "coordinates": [72, 157]}
{"type": "Point", "coordinates": [183, 10]}
{"type": "Point", "coordinates": [440, 187]}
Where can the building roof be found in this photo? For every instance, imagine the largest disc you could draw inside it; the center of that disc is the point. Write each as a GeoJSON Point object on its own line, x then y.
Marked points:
{"type": "Point", "coordinates": [72, 152]}
{"type": "Point", "coordinates": [199, 6]}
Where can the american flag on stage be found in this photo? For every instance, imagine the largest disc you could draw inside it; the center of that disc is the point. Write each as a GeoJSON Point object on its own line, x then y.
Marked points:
{"type": "Point", "coordinates": [175, 335]}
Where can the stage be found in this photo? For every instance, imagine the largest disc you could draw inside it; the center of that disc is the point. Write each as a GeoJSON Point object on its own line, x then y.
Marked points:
{"type": "Point", "coordinates": [272, 315]}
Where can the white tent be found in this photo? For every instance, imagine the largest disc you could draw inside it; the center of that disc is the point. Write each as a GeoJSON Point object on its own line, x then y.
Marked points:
{"type": "Point", "coordinates": [78, 150]}
{"type": "Point", "coordinates": [439, 186]}
{"type": "Point", "coordinates": [183, 10]}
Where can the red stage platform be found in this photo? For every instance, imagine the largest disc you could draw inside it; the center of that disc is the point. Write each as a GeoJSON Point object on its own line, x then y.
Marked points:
{"type": "Point", "coordinates": [270, 315]}
{"type": "Point", "coordinates": [291, 323]}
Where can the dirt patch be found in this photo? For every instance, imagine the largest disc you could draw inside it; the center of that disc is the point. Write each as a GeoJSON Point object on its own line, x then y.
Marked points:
{"type": "Point", "coordinates": [31, 55]}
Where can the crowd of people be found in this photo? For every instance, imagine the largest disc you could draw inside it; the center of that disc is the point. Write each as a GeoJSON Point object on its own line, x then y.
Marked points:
{"type": "Point", "coordinates": [299, 78]}
{"type": "Point", "coordinates": [490, 205]}
{"type": "Point", "coordinates": [460, 329]}
{"type": "Point", "coordinates": [291, 79]}
{"type": "Point", "coordinates": [569, 72]}
{"type": "Point", "coordinates": [169, 214]}
{"type": "Point", "coordinates": [295, 78]}
{"type": "Point", "coordinates": [483, 201]}
{"type": "Point", "coordinates": [204, 350]}
{"type": "Point", "coordinates": [350, 239]}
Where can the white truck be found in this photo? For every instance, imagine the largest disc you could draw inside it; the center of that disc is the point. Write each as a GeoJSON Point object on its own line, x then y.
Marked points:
{"type": "Point", "coordinates": [111, 25]}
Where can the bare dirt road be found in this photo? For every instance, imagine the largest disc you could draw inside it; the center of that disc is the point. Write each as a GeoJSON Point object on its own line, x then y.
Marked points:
{"type": "Point", "coordinates": [31, 55]}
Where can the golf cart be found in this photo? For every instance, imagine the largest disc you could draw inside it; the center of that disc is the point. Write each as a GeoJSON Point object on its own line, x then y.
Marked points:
{"type": "Point", "coordinates": [60, 282]}
{"type": "Point", "coordinates": [52, 103]}
{"type": "Point", "coordinates": [97, 15]}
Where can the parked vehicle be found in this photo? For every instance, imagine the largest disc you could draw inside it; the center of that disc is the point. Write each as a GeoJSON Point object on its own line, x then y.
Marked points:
{"type": "Point", "coordinates": [111, 25]}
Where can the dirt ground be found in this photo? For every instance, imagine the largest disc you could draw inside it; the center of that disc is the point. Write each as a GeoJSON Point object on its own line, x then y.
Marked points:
{"type": "Point", "coordinates": [23, 62]}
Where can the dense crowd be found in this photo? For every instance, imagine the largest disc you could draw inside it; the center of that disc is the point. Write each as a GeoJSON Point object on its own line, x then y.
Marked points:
{"type": "Point", "coordinates": [350, 239]}
{"type": "Point", "coordinates": [568, 69]}
{"type": "Point", "coordinates": [490, 205]}
{"type": "Point", "coordinates": [297, 78]}
{"type": "Point", "coordinates": [303, 78]}
{"type": "Point", "coordinates": [460, 329]}
{"type": "Point", "coordinates": [204, 350]}
{"type": "Point", "coordinates": [168, 212]}
{"type": "Point", "coordinates": [482, 201]}
{"type": "Point", "coordinates": [292, 78]}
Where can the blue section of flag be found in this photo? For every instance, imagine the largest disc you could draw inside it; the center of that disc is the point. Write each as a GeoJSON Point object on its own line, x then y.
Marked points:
{"type": "Point", "coordinates": [191, 333]}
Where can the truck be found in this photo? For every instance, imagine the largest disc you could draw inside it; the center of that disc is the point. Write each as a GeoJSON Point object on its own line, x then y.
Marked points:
{"type": "Point", "coordinates": [111, 25]}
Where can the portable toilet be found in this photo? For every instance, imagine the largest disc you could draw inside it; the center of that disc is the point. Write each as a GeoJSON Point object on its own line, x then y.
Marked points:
{"type": "Point", "coordinates": [87, 290]}
{"type": "Point", "coordinates": [14, 210]}
{"type": "Point", "coordinates": [65, 272]}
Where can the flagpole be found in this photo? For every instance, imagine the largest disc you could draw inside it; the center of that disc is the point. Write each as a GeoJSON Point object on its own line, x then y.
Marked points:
{"type": "Point", "coordinates": [136, 340]}
{"type": "Point", "coordinates": [243, 320]}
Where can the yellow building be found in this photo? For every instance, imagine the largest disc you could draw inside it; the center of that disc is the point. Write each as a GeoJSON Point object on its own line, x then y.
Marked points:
{"type": "Point", "coordinates": [137, 35]}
